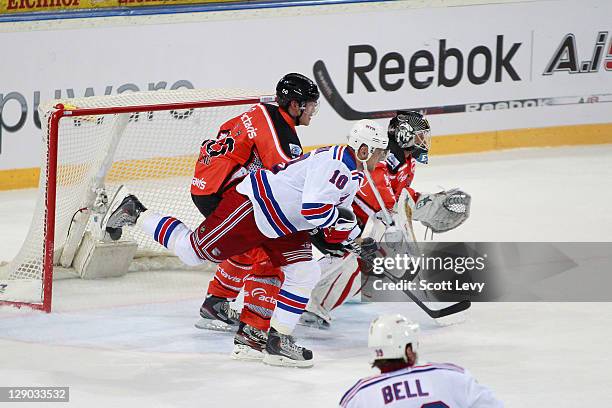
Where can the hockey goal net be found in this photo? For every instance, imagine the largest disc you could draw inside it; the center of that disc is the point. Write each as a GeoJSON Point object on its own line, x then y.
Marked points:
{"type": "Point", "coordinates": [95, 148]}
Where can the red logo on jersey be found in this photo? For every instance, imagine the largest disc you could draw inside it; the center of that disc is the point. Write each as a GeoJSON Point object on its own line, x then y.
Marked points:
{"type": "Point", "coordinates": [214, 148]}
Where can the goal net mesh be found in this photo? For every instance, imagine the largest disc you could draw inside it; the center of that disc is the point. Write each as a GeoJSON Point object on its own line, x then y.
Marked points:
{"type": "Point", "coordinates": [151, 153]}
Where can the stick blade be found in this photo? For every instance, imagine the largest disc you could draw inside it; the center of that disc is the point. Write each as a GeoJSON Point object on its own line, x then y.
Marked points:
{"type": "Point", "coordinates": [450, 310]}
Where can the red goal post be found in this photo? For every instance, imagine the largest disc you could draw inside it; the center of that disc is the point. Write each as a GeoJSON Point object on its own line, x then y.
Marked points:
{"type": "Point", "coordinates": [69, 166]}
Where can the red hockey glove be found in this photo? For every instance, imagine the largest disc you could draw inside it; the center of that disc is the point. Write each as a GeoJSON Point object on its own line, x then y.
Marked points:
{"type": "Point", "coordinates": [340, 230]}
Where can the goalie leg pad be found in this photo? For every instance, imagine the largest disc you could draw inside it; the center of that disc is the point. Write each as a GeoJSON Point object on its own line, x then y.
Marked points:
{"type": "Point", "coordinates": [340, 281]}
{"type": "Point", "coordinates": [300, 278]}
{"type": "Point", "coordinates": [172, 234]}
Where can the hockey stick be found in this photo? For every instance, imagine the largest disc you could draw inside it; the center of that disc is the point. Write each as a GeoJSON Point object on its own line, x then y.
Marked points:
{"type": "Point", "coordinates": [328, 89]}
{"type": "Point", "coordinates": [388, 219]}
{"type": "Point", "coordinates": [433, 313]}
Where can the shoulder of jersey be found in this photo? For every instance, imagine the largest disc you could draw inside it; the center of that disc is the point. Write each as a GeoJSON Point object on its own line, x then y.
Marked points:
{"type": "Point", "coordinates": [369, 381]}
{"type": "Point", "coordinates": [382, 165]}
{"type": "Point", "coordinates": [260, 109]}
{"type": "Point", "coordinates": [269, 107]}
{"type": "Point", "coordinates": [441, 366]}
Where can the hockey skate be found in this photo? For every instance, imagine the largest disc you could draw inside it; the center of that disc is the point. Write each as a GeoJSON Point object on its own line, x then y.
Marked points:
{"type": "Point", "coordinates": [217, 315]}
{"type": "Point", "coordinates": [282, 351]}
{"type": "Point", "coordinates": [249, 343]}
{"type": "Point", "coordinates": [312, 320]}
{"type": "Point", "coordinates": [125, 214]}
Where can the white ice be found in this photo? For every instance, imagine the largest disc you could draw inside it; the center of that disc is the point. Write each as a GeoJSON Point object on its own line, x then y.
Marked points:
{"type": "Point", "coordinates": [130, 342]}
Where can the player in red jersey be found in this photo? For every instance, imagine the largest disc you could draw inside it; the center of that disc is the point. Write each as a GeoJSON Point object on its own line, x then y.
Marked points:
{"type": "Point", "coordinates": [273, 210]}
{"type": "Point", "coordinates": [409, 140]}
{"type": "Point", "coordinates": [262, 137]}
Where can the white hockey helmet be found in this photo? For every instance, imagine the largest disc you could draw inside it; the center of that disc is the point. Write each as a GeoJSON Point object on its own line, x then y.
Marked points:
{"type": "Point", "coordinates": [389, 335]}
{"type": "Point", "coordinates": [370, 133]}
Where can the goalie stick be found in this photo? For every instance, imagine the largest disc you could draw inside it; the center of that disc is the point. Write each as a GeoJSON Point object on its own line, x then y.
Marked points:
{"type": "Point", "coordinates": [433, 313]}
{"type": "Point", "coordinates": [333, 97]}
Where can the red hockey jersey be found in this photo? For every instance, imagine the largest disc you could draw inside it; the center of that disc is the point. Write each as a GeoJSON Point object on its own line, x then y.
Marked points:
{"type": "Point", "coordinates": [259, 138]}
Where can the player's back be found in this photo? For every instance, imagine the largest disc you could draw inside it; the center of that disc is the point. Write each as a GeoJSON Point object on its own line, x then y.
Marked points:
{"type": "Point", "coordinates": [426, 386]}
{"type": "Point", "coordinates": [261, 137]}
{"type": "Point", "coordinates": [304, 192]}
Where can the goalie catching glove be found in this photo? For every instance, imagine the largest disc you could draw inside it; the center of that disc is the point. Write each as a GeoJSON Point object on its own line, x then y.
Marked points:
{"type": "Point", "coordinates": [443, 211]}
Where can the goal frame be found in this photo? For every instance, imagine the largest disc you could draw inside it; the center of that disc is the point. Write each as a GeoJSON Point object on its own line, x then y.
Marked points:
{"type": "Point", "coordinates": [59, 112]}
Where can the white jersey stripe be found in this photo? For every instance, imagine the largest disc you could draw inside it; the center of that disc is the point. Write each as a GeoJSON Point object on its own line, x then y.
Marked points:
{"type": "Point", "coordinates": [274, 135]}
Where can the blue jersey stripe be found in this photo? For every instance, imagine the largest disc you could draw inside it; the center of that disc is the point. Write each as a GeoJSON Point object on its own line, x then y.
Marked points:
{"type": "Point", "coordinates": [331, 219]}
{"type": "Point", "coordinates": [158, 228]}
{"type": "Point", "coordinates": [291, 296]}
{"type": "Point", "coordinates": [289, 308]}
{"type": "Point", "coordinates": [171, 228]}
{"type": "Point", "coordinates": [275, 204]}
{"type": "Point", "coordinates": [313, 217]}
{"type": "Point", "coordinates": [262, 205]}
{"type": "Point", "coordinates": [309, 206]}
{"type": "Point", "coordinates": [347, 159]}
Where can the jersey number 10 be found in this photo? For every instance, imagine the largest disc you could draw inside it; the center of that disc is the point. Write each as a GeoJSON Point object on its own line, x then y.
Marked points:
{"type": "Point", "coordinates": [340, 182]}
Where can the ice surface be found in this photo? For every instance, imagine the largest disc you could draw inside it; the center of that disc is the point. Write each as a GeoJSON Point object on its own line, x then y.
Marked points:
{"type": "Point", "coordinates": [130, 341]}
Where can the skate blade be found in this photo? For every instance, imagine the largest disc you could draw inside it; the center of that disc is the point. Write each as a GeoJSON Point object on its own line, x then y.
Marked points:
{"type": "Point", "coordinates": [280, 361]}
{"type": "Point", "coordinates": [114, 233]}
{"type": "Point", "coordinates": [245, 353]}
{"type": "Point", "coordinates": [314, 324]}
{"type": "Point", "coordinates": [215, 325]}
{"type": "Point", "coordinates": [113, 204]}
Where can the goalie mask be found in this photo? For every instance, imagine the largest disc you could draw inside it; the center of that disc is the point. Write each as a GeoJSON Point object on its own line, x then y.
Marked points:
{"type": "Point", "coordinates": [411, 132]}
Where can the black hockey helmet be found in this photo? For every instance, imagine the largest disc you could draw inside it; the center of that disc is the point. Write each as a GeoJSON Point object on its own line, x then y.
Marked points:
{"type": "Point", "coordinates": [410, 131]}
{"type": "Point", "coordinates": [296, 87]}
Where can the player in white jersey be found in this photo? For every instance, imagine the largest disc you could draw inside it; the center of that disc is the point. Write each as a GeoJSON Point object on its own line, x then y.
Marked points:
{"type": "Point", "coordinates": [274, 211]}
{"type": "Point", "coordinates": [403, 382]}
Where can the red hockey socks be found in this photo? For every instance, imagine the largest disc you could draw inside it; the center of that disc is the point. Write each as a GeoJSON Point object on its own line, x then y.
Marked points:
{"type": "Point", "coordinates": [228, 279]}
{"type": "Point", "coordinates": [260, 291]}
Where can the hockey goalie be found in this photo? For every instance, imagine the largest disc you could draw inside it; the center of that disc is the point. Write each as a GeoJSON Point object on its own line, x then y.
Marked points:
{"type": "Point", "coordinates": [384, 212]}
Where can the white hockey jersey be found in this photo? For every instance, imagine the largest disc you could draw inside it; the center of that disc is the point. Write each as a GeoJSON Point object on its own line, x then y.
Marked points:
{"type": "Point", "coordinates": [425, 386]}
{"type": "Point", "coordinates": [305, 193]}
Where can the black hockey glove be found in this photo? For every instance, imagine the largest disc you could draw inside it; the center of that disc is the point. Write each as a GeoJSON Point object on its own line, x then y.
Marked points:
{"type": "Point", "coordinates": [368, 249]}
{"type": "Point", "coordinates": [367, 254]}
